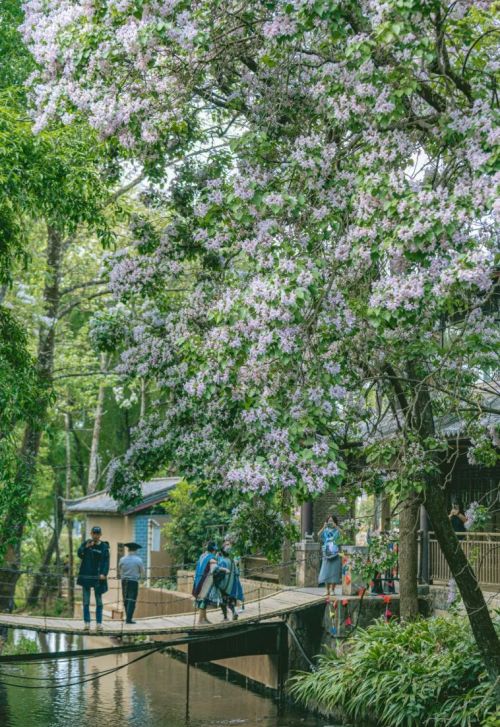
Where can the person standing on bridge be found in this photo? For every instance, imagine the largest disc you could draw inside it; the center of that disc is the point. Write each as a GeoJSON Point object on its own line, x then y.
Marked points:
{"type": "Point", "coordinates": [230, 584]}
{"type": "Point", "coordinates": [131, 570]}
{"type": "Point", "coordinates": [93, 572]}
{"type": "Point", "coordinates": [331, 564]}
{"type": "Point", "coordinates": [207, 575]}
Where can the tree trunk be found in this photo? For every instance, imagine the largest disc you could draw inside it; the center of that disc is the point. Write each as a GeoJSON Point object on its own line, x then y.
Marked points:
{"type": "Point", "coordinates": [14, 519]}
{"type": "Point", "coordinates": [386, 512]}
{"type": "Point", "coordinates": [69, 521]}
{"type": "Point", "coordinates": [472, 596]}
{"type": "Point", "coordinates": [80, 464]}
{"type": "Point", "coordinates": [482, 626]}
{"type": "Point", "coordinates": [96, 434]}
{"type": "Point", "coordinates": [409, 516]}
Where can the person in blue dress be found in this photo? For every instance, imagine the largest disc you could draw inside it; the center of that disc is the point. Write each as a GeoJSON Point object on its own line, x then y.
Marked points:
{"type": "Point", "coordinates": [230, 584]}
{"type": "Point", "coordinates": [208, 573]}
{"type": "Point", "coordinates": [330, 572]}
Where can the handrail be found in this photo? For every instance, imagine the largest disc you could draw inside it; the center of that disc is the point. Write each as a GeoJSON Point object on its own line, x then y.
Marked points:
{"type": "Point", "coordinates": [471, 535]}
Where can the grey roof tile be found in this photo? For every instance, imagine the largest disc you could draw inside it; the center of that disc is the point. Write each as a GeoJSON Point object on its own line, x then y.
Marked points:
{"type": "Point", "coordinates": [152, 491]}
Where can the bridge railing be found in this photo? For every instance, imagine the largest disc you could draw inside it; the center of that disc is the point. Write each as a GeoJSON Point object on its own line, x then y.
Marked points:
{"type": "Point", "coordinates": [53, 591]}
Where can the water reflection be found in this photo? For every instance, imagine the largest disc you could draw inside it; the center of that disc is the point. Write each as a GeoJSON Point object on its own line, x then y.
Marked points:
{"type": "Point", "coordinates": [150, 691]}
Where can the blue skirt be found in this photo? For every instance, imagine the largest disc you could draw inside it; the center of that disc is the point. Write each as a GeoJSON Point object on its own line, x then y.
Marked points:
{"type": "Point", "coordinates": [331, 570]}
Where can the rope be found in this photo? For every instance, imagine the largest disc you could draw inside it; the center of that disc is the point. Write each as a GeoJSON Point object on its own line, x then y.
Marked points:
{"type": "Point", "coordinates": [294, 636]}
{"type": "Point", "coordinates": [81, 681]}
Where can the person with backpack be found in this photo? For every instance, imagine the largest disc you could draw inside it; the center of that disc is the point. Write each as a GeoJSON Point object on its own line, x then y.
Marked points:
{"type": "Point", "coordinates": [331, 563]}
{"type": "Point", "coordinates": [207, 577]}
{"type": "Point", "coordinates": [230, 584]}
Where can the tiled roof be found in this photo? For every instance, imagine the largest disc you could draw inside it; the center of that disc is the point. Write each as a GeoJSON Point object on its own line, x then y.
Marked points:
{"type": "Point", "coordinates": [449, 425]}
{"type": "Point", "coordinates": [153, 491]}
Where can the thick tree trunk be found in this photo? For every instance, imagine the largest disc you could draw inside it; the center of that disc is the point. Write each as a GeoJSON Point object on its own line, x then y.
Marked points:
{"type": "Point", "coordinates": [96, 434]}
{"type": "Point", "coordinates": [69, 521]}
{"type": "Point", "coordinates": [409, 517]}
{"type": "Point", "coordinates": [479, 617]}
{"type": "Point", "coordinates": [472, 596]}
{"type": "Point", "coordinates": [14, 520]}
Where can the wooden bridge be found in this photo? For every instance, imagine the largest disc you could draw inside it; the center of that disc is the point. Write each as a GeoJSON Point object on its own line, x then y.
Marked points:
{"type": "Point", "coordinates": [275, 606]}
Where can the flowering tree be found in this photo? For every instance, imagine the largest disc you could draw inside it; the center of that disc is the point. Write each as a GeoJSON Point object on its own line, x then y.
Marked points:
{"type": "Point", "coordinates": [330, 259]}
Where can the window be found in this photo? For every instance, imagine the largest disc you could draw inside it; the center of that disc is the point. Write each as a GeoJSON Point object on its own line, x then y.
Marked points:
{"type": "Point", "coordinates": [155, 537]}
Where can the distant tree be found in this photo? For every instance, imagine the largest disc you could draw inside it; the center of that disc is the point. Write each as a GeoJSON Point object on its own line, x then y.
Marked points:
{"type": "Point", "coordinates": [194, 520]}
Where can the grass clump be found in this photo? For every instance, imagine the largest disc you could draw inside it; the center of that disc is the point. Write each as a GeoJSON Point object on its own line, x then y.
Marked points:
{"type": "Point", "coordinates": [426, 673]}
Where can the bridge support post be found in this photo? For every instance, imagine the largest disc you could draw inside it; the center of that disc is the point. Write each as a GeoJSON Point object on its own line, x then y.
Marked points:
{"type": "Point", "coordinates": [188, 660]}
{"type": "Point", "coordinates": [307, 557]}
{"type": "Point", "coordinates": [282, 638]}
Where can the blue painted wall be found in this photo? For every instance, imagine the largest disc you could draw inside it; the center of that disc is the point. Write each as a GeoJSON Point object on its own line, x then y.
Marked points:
{"type": "Point", "coordinates": [141, 536]}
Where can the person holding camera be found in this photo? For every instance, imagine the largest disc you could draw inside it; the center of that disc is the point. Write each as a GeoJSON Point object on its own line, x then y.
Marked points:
{"type": "Point", "coordinates": [93, 572]}
{"type": "Point", "coordinates": [331, 564]}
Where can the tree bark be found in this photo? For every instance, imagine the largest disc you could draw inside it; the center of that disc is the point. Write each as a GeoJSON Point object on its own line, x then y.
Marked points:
{"type": "Point", "coordinates": [409, 516]}
{"type": "Point", "coordinates": [14, 520]}
{"type": "Point", "coordinates": [386, 512]}
{"type": "Point", "coordinates": [482, 626]}
{"type": "Point", "coordinates": [96, 433]}
{"type": "Point", "coordinates": [69, 521]}
{"type": "Point", "coordinates": [472, 596]}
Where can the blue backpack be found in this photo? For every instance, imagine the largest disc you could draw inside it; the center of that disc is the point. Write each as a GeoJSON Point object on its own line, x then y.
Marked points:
{"type": "Point", "coordinates": [330, 549]}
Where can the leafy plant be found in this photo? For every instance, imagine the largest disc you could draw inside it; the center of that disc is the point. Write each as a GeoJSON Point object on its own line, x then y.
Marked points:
{"type": "Point", "coordinates": [422, 673]}
{"type": "Point", "coordinates": [259, 527]}
{"type": "Point", "coordinates": [381, 556]}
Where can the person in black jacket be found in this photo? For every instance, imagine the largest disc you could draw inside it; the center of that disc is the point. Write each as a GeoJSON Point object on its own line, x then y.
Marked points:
{"type": "Point", "coordinates": [94, 568]}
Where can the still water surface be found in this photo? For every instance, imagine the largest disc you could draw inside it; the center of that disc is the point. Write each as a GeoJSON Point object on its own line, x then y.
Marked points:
{"type": "Point", "coordinates": [147, 693]}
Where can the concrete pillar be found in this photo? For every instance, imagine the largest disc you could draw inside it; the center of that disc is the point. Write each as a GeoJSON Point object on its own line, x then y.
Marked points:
{"type": "Point", "coordinates": [307, 558]}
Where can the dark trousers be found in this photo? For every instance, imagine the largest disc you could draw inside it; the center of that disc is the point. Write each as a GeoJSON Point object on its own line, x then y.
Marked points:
{"type": "Point", "coordinates": [130, 589]}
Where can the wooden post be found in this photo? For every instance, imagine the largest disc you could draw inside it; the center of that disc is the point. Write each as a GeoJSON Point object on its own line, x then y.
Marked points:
{"type": "Point", "coordinates": [282, 646]}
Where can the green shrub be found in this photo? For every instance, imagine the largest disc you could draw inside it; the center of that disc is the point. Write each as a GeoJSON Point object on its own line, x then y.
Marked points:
{"type": "Point", "coordinates": [423, 673]}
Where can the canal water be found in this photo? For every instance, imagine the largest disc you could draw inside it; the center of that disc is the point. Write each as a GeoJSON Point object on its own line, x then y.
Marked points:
{"type": "Point", "coordinates": [148, 693]}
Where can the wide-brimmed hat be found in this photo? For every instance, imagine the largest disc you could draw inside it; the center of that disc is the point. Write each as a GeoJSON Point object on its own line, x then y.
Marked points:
{"type": "Point", "coordinates": [132, 546]}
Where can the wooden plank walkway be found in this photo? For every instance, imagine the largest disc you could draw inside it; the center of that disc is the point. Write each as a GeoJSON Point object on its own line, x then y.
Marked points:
{"type": "Point", "coordinates": [273, 606]}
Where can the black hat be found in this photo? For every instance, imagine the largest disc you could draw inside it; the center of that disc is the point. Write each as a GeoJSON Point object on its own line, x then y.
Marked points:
{"type": "Point", "coordinates": [96, 529]}
{"type": "Point", "coordinates": [132, 546]}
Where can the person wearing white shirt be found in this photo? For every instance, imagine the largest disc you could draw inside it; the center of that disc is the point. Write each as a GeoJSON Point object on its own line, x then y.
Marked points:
{"type": "Point", "coordinates": [131, 569]}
